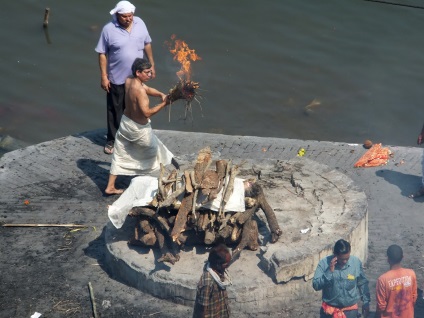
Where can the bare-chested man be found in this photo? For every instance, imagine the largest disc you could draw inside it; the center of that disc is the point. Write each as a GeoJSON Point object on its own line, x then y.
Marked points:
{"type": "Point", "coordinates": [137, 149]}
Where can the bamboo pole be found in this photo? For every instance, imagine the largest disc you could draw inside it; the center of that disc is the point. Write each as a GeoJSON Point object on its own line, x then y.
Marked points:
{"type": "Point", "coordinates": [42, 225]}
{"type": "Point", "coordinates": [93, 302]}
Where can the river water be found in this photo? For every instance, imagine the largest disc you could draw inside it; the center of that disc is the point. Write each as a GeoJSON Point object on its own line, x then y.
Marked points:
{"type": "Point", "coordinates": [323, 70]}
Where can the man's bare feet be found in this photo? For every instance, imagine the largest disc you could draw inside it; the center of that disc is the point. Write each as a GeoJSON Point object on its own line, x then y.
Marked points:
{"type": "Point", "coordinates": [111, 191]}
{"type": "Point", "coordinates": [417, 194]}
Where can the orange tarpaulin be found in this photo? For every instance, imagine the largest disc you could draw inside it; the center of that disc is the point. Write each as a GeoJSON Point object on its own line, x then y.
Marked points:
{"type": "Point", "coordinates": [374, 157]}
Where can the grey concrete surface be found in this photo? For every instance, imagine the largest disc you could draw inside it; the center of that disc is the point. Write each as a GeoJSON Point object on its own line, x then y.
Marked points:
{"type": "Point", "coordinates": [64, 180]}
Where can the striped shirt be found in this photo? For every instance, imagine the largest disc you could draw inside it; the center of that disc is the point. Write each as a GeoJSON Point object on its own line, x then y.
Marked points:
{"type": "Point", "coordinates": [211, 301]}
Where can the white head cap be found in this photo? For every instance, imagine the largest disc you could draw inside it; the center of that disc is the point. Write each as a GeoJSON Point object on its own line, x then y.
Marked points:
{"type": "Point", "coordinates": [123, 7]}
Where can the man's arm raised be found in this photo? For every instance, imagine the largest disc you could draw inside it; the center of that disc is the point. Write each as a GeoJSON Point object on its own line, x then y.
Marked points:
{"type": "Point", "coordinates": [154, 92]}
{"type": "Point", "coordinates": [143, 103]}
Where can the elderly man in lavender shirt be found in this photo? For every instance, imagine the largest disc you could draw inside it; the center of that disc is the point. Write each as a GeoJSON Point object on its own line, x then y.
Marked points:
{"type": "Point", "coordinates": [122, 40]}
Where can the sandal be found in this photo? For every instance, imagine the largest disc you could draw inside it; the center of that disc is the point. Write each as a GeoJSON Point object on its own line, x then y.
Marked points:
{"type": "Point", "coordinates": [108, 148]}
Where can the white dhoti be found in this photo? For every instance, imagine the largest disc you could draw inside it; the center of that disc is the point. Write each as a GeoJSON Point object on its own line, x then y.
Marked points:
{"type": "Point", "coordinates": [137, 150]}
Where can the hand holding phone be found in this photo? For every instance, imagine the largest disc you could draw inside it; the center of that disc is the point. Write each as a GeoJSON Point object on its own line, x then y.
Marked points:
{"type": "Point", "coordinates": [333, 263]}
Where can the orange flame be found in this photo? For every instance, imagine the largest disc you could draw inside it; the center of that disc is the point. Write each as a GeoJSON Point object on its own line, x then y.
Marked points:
{"type": "Point", "coordinates": [184, 55]}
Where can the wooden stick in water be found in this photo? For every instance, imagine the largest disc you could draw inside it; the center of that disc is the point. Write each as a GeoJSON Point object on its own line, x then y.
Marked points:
{"type": "Point", "coordinates": [46, 18]}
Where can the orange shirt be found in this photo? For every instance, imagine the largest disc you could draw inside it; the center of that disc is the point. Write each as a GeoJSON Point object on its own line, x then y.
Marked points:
{"type": "Point", "coordinates": [396, 293]}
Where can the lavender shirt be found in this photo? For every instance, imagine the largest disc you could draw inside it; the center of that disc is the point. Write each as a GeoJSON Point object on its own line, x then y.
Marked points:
{"type": "Point", "coordinates": [122, 47]}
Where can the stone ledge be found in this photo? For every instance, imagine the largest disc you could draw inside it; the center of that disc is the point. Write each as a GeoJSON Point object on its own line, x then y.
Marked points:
{"type": "Point", "coordinates": [303, 194]}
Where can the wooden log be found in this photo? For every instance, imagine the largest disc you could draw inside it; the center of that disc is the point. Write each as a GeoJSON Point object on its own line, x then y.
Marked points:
{"type": "Point", "coordinates": [181, 219]}
{"type": "Point", "coordinates": [137, 232]}
{"type": "Point", "coordinates": [249, 202]}
{"type": "Point", "coordinates": [253, 235]}
{"type": "Point", "coordinates": [209, 236]}
{"type": "Point", "coordinates": [221, 166]}
{"type": "Point", "coordinates": [225, 220]}
{"type": "Point", "coordinates": [148, 239]}
{"type": "Point", "coordinates": [149, 212]}
{"type": "Point", "coordinates": [191, 237]}
{"type": "Point", "coordinates": [170, 200]}
{"type": "Point", "coordinates": [176, 205]}
{"type": "Point", "coordinates": [226, 232]}
{"type": "Point", "coordinates": [154, 202]}
{"type": "Point", "coordinates": [235, 216]}
{"type": "Point", "coordinates": [162, 245]}
{"type": "Point", "coordinates": [249, 238]}
{"type": "Point", "coordinates": [213, 194]}
{"type": "Point", "coordinates": [194, 183]}
{"type": "Point", "coordinates": [228, 190]}
{"type": "Point", "coordinates": [235, 234]}
{"type": "Point", "coordinates": [206, 220]}
{"type": "Point", "coordinates": [226, 177]}
{"type": "Point", "coordinates": [254, 190]}
{"type": "Point", "coordinates": [145, 240]}
{"type": "Point", "coordinates": [172, 197]}
{"type": "Point", "coordinates": [193, 204]}
{"type": "Point", "coordinates": [270, 215]}
{"type": "Point", "coordinates": [172, 179]}
{"type": "Point", "coordinates": [200, 219]}
{"type": "Point", "coordinates": [161, 190]}
{"type": "Point", "coordinates": [188, 184]}
{"type": "Point", "coordinates": [204, 159]}
{"type": "Point", "coordinates": [209, 182]}
{"type": "Point", "coordinates": [171, 220]}
{"type": "Point", "coordinates": [42, 225]}
{"type": "Point", "coordinates": [167, 255]}
{"type": "Point", "coordinates": [247, 215]}
{"type": "Point", "coordinates": [144, 233]}
{"type": "Point", "coordinates": [145, 226]}
{"type": "Point", "coordinates": [212, 219]}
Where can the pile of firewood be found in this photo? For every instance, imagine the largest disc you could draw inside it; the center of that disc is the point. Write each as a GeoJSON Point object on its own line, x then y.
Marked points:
{"type": "Point", "coordinates": [170, 223]}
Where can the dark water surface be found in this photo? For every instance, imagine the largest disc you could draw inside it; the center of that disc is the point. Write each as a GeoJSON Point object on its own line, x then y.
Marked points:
{"type": "Point", "coordinates": [322, 70]}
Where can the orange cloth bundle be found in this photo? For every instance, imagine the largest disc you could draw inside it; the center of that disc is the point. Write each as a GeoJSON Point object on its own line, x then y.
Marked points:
{"type": "Point", "coordinates": [374, 157]}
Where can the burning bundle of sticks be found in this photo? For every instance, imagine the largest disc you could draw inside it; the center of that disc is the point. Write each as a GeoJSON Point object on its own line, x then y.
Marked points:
{"type": "Point", "coordinates": [183, 90]}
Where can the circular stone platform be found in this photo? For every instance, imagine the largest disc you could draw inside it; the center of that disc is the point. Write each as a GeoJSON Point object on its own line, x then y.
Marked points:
{"type": "Point", "coordinates": [306, 197]}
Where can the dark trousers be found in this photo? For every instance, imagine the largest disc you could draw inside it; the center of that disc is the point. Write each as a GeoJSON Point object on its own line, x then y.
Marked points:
{"type": "Point", "coordinates": [348, 313]}
{"type": "Point", "coordinates": [115, 101]}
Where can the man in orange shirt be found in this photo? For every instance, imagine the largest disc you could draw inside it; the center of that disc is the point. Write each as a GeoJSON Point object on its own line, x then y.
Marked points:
{"type": "Point", "coordinates": [396, 290]}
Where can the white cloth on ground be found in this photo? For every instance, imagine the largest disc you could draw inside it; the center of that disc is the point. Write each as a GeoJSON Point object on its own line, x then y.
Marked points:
{"type": "Point", "coordinates": [137, 150]}
{"type": "Point", "coordinates": [142, 189]}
